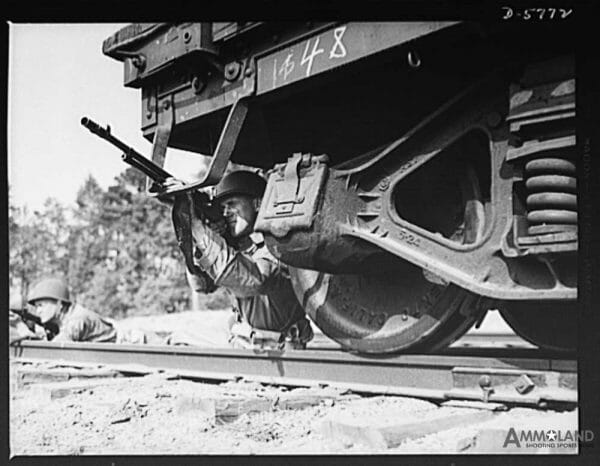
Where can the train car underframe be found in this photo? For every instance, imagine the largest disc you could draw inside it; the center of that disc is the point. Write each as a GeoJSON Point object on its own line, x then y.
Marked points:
{"type": "Point", "coordinates": [431, 180]}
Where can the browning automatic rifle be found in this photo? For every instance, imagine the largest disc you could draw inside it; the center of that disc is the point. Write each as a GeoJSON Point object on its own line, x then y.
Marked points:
{"type": "Point", "coordinates": [50, 328]}
{"type": "Point", "coordinates": [183, 203]}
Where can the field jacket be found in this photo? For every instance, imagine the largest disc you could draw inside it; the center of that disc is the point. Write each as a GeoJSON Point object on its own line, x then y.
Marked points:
{"type": "Point", "coordinates": [259, 283]}
{"type": "Point", "coordinates": [81, 324]}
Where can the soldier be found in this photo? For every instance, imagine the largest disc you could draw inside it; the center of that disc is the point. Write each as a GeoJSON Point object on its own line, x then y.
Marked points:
{"type": "Point", "coordinates": [73, 322]}
{"type": "Point", "coordinates": [53, 305]}
{"type": "Point", "coordinates": [267, 312]}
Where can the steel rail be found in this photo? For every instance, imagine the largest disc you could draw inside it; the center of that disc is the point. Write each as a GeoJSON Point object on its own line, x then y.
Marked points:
{"type": "Point", "coordinates": [477, 339]}
{"type": "Point", "coordinates": [518, 380]}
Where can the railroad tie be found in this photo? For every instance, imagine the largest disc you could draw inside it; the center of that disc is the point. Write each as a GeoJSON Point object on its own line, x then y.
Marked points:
{"type": "Point", "coordinates": [369, 433]}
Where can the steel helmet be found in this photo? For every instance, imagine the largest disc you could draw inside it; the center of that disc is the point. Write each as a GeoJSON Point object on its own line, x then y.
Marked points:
{"type": "Point", "coordinates": [240, 182]}
{"type": "Point", "coordinates": [17, 304]}
{"type": "Point", "coordinates": [53, 288]}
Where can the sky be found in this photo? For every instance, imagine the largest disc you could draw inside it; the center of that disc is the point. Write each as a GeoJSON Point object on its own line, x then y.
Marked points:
{"type": "Point", "coordinates": [58, 74]}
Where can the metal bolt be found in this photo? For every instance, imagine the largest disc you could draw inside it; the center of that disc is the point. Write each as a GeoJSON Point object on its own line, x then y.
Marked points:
{"type": "Point", "coordinates": [166, 105]}
{"type": "Point", "coordinates": [524, 384]}
{"type": "Point", "coordinates": [187, 37]}
{"type": "Point", "coordinates": [139, 62]}
{"type": "Point", "coordinates": [249, 72]}
{"type": "Point", "coordinates": [485, 381]}
{"type": "Point", "coordinates": [404, 314]}
{"type": "Point", "coordinates": [232, 71]}
{"type": "Point", "coordinates": [149, 109]}
{"type": "Point", "coordinates": [384, 184]}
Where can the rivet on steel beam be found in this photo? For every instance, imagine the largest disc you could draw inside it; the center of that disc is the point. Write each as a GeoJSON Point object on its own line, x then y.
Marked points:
{"type": "Point", "coordinates": [187, 37]}
{"type": "Point", "coordinates": [384, 184]}
{"type": "Point", "coordinates": [166, 104]}
{"type": "Point", "coordinates": [232, 71]}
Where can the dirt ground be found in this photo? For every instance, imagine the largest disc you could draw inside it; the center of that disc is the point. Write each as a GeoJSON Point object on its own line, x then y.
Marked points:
{"type": "Point", "coordinates": [154, 415]}
{"type": "Point", "coordinates": [157, 414]}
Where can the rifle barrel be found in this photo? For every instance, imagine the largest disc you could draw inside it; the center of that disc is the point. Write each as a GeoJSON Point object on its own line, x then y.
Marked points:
{"type": "Point", "coordinates": [130, 155]}
{"type": "Point", "coordinates": [145, 165]}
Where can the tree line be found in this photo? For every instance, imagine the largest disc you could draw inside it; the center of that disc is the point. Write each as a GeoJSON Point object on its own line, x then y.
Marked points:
{"type": "Point", "coordinates": [116, 248]}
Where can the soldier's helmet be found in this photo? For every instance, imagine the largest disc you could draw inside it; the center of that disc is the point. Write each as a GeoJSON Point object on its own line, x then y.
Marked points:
{"type": "Point", "coordinates": [17, 304]}
{"type": "Point", "coordinates": [240, 182]}
{"type": "Point", "coordinates": [53, 288]}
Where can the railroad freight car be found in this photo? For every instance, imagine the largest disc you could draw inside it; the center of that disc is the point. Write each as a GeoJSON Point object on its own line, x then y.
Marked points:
{"type": "Point", "coordinates": [419, 173]}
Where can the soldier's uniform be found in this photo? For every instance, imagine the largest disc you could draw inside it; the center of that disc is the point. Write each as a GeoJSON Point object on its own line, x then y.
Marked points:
{"type": "Point", "coordinates": [74, 322]}
{"type": "Point", "coordinates": [268, 313]}
{"type": "Point", "coordinates": [81, 324]}
{"type": "Point", "coordinates": [266, 308]}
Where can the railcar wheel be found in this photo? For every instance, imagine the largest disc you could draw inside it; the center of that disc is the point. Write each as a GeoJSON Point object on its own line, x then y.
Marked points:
{"type": "Point", "coordinates": [382, 314]}
{"type": "Point", "coordinates": [551, 326]}
{"type": "Point", "coordinates": [404, 310]}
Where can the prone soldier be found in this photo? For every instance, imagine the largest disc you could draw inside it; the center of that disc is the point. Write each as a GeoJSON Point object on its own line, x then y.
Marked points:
{"type": "Point", "coordinates": [71, 321]}
{"type": "Point", "coordinates": [53, 305]}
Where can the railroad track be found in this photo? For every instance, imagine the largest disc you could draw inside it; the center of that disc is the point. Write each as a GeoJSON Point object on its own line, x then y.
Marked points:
{"type": "Point", "coordinates": [473, 339]}
{"type": "Point", "coordinates": [513, 377]}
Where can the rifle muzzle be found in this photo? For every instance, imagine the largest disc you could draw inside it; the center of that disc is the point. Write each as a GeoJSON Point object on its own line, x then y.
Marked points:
{"type": "Point", "coordinates": [93, 126]}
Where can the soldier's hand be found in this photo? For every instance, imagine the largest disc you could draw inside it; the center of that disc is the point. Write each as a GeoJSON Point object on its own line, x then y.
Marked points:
{"type": "Point", "coordinates": [173, 182]}
{"type": "Point", "coordinates": [169, 184]}
{"type": "Point", "coordinates": [200, 231]}
{"type": "Point", "coordinates": [219, 227]}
